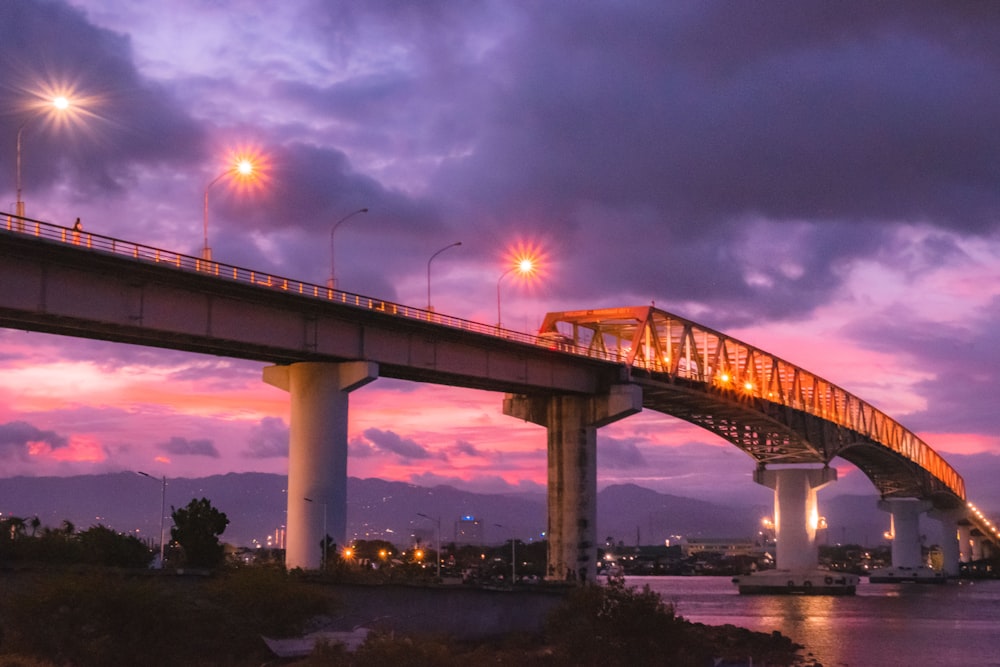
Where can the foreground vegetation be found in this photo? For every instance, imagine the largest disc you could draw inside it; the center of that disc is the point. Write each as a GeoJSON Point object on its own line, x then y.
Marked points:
{"type": "Point", "coordinates": [100, 616]}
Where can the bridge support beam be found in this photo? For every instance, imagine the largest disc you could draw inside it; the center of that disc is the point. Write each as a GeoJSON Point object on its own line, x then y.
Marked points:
{"type": "Point", "coordinates": [796, 513]}
{"type": "Point", "coordinates": [317, 453]}
{"type": "Point", "coordinates": [950, 539]}
{"type": "Point", "coordinates": [572, 422]}
{"type": "Point", "coordinates": [964, 542]}
{"type": "Point", "coordinates": [906, 545]}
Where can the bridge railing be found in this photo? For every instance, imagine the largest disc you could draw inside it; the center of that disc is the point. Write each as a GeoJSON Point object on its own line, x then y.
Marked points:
{"type": "Point", "coordinates": [145, 253]}
{"type": "Point", "coordinates": [642, 337]}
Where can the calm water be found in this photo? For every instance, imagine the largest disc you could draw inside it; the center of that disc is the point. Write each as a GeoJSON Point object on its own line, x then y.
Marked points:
{"type": "Point", "coordinates": [884, 624]}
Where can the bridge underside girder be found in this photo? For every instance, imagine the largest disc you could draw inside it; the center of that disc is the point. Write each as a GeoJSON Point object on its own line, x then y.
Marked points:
{"type": "Point", "coordinates": [772, 433]}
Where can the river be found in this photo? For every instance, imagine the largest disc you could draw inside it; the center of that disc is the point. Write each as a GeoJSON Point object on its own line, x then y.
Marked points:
{"type": "Point", "coordinates": [952, 625]}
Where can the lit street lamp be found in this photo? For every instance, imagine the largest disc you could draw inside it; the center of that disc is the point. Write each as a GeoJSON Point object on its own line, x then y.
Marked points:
{"type": "Point", "coordinates": [332, 282]}
{"type": "Point", "coordinates": [242, 168]}
{"type": "Point", "coordinates": [163, 508]}
{"type": "Point", "coordinates": [525, 266]}
{"type": "Point", "coordinates": [453, 245]}
{"type": "Point", "coordinates": [438, 522]}
{"type": "Point", "coordinates": [59, 103]}
{"type": "Point", "coordinates": [326, 545]}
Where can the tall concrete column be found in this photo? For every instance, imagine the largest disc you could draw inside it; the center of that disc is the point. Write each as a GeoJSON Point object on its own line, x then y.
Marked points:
{"type": "Point", "coordinates": [964, 542]}
{"type": "Point", "coordinates": [978, 552]}
{"type": "Point", "coordinates": [950, 539]}
{"type": "Point", "coordinates": [796, 513]}
{"type": "Point", "coordinates": [572, 422]}
{"type": "Point", "coordinates": [906, 547]}
{"type": "Point", "coordinates": [317, 453]}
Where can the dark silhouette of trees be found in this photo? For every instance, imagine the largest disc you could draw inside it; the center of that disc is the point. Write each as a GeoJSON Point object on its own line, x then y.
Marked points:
{"type": "Point", "coordinates": [196, 529]}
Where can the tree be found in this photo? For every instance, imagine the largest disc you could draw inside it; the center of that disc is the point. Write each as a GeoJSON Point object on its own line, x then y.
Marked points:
{"type": "Point", "coordinates": [196, 530]}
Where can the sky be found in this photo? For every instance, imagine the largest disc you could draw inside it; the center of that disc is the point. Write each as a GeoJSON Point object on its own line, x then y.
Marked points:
{"type": "Point", "coordinates": [820, 180]}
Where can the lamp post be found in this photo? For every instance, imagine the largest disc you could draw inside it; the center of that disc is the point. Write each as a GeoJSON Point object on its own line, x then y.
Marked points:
{"type": "Point", "coordinates": [326, 545]}
{"type": "Point", "coordinates": [60, 104]}
{"type": "Point", "coordinates": [524, 266]}
{"type": "Point", "coordinates": [243, 167]}
{"type": "Point", "coordinates": [513, 555]}
{"type": "Point", "coordinates": [438, 522]}
{"type": "Point", "coordinates": [163, 508]}
{"type": "Point", "coordinates": [332, 282]}
{"type": "Point", "coordinates": [430, 308]}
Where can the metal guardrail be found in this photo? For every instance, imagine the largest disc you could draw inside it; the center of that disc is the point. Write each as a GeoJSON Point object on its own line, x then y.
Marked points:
{"type": "Point", "coordinates": [106, 244]}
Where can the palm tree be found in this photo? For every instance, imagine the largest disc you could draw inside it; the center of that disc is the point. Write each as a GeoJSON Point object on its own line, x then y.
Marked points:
{"type": "Point", "coordinates": [67, 527]}
{"type": "Point", "coordinates": [35, 523]}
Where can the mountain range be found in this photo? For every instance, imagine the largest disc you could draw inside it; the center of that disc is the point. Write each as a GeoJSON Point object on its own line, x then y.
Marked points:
{"type": "Point", "coordinates": [255, 504]}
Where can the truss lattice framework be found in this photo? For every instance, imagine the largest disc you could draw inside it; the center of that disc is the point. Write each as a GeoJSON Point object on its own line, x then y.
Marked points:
{"type": "Point", "coordinates": [656, 341]}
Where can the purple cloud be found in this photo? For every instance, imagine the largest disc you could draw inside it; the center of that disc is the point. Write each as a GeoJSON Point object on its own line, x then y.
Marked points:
{"type": "Point", "coordinates": [17, 435]}
{"type": "Point", "coordinates": [185, 447]}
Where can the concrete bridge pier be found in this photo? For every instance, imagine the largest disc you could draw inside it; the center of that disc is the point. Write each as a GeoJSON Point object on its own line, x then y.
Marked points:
{"type": "Point", "coordinates": [572, 422]}
{"type": "Point", "coordinates": [950, 539]}
{"type": "Point", "coordinates": [317, 453]}
{"type": "Point", "coordinates": [796, 513]}
{"type": "Point", "coordinates": [906, 545]}
{"type": "Point", "coordinates": [964, 542]}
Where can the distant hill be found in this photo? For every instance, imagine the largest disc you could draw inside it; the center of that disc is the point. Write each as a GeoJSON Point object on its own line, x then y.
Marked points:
{"type": "Point", "coordinates": [255, 504]}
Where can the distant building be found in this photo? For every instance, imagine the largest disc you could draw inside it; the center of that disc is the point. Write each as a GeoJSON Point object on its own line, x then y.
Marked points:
{"type": "Point", "coordinates": [727, 546]}
{"type": "Point", "coordinates": [468, 530]}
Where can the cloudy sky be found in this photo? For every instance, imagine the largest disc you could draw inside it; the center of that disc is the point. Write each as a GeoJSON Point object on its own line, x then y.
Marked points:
{"type": "Point", "coordinates": [821, 180]}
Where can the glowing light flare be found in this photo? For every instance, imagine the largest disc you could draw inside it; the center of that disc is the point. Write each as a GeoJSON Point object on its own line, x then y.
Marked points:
{"type": "Point", "coordinates": [61, 105]}
{"type": "Point", "coordinates": [528, 261]}
{"type": "Point", "coordinates": [247, 171]}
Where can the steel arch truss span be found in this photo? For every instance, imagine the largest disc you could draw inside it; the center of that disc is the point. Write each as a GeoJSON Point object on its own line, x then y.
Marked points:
{"type": "Point", "coordinates": [773, 410]}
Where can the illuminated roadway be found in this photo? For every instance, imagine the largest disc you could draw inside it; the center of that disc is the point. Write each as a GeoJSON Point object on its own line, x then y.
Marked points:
{"type": "Point", "coordinates": [82, 284]}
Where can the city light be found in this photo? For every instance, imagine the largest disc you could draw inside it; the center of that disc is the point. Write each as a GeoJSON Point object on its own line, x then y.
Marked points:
{"type": "Point", "coordinates": [44, 106]}
{"type": "Point", "coordinates": [246, 172]}
{"type": "Point", "coordinates": [526, 262]}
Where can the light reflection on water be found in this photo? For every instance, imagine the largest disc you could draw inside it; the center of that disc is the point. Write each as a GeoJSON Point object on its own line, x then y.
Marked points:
{"type": "Point", "coordinates": [957, 624]}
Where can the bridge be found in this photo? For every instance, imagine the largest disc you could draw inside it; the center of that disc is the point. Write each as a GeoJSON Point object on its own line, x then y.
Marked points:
{"type": "Point", "coordinates": [583, 370]}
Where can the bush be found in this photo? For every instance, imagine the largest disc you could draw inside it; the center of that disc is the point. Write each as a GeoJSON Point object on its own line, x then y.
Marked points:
{"type": "Point", "coordinates": [96, 617]}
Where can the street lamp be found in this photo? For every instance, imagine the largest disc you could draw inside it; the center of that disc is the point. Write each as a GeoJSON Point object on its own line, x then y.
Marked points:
{"type": "Point", "coordinates": [60, 103]}
{"type": "Point", "coordinates": [326, 545]}
{"type": "Point", "coordinates": [243, 168]}
{"type": "Point", "coordinates": [513, 555]}
{"type": "Point", "coordinates": [163, 508]}
{"type": "Point", "coordinates": [332, 282]}
{"type": "Point", "coordinates": [430, 308]}
{"type": "Point", "coordinates": [438, 522]}
{"type": "Point", "coordinates": [524, 266]}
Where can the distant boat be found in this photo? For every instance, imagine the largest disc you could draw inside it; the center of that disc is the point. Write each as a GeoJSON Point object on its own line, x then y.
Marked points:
{"type": "Point", "coordinates": [786, 582]}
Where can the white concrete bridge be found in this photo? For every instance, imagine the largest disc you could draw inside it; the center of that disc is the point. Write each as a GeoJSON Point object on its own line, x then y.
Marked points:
{"type": "Point", "coordinates": [584, 369]}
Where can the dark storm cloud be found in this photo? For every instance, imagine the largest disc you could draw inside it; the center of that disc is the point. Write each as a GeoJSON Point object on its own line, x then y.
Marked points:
{"type": "Point", "coordinates": [268, 439]}
{"type": "Point", "coordinates": [185, 447]}
{"type": "Point", "coordinates": [16, 436]}
{"type": "Point", "coordinates": [390, 442]}
{"type": "Point", "coordinates": [669, 128]}
{"type": "Point", "coordinates": [125, 118]}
